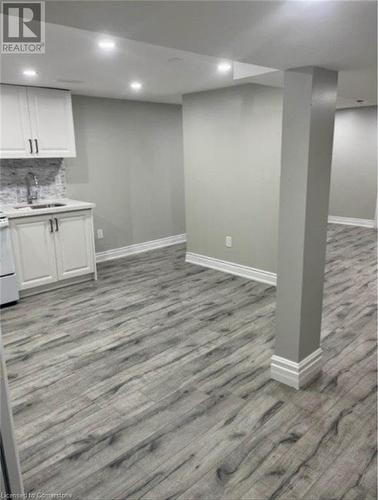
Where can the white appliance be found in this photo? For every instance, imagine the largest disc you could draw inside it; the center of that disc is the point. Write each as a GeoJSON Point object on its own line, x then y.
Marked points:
{"type": "Point", "coordinates": [8, 282]}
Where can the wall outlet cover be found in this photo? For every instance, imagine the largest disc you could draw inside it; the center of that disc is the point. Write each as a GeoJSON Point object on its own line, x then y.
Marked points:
{"type": "Point", "coordinates": [229, 241]}
{"type": "Point", "coordinates": [100, 234]}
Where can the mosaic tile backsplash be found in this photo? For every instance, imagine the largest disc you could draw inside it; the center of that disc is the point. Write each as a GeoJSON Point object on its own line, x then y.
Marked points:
{"type": "Point", "coordinates": [50, 172]}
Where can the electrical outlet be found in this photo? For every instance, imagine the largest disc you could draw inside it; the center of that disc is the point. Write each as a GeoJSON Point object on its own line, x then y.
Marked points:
{"type": "Point", "coordinates": [100, 234]}
{"type": "Point", "coordinates": [229, 241]}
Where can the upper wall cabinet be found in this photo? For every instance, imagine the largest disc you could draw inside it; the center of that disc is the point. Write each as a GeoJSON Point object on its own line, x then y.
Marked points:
{"type": "Point", "coordinates": [15, 130]}
{"type": "Point", "coordinates": [36, 123]}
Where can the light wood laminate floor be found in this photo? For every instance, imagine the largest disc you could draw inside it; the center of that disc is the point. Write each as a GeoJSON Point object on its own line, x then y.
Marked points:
{"type": "Point", "coordinates": [154, 383]}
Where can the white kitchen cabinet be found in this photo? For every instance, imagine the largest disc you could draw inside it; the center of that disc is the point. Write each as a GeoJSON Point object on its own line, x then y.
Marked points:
{"type": "Point", "coordinates": [34, 251]}
{"type": "Point", "coordinates": [51, 122]}
{"type": "Point", "coordinates": [74, 244]}
{"type": "Point", "coordinates": [16, 134]}
{"type": "Point", "coordinates": [52, 248]}
{"type": "Point", "coordinates": [36, 123]}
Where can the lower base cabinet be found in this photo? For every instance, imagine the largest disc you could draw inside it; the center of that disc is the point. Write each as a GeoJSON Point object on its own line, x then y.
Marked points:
{"type": "Point", "coordinates": [34, 251]}
{"type": "Point", "coordinates": [54, 247]}
{"type": "Point", "coordinates": [74, 245]}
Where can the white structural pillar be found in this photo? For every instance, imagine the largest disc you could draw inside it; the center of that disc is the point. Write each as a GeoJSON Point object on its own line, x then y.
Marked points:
{"type": "Point", "coordinates": [307, 137]}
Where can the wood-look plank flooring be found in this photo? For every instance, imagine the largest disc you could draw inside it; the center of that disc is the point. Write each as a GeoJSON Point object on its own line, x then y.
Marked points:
{"type": "Point", "coordinates": [154, 383]}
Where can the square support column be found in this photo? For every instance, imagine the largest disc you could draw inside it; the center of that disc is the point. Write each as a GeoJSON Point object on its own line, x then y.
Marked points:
{"type": "Point", "coordinates": [307, 139]}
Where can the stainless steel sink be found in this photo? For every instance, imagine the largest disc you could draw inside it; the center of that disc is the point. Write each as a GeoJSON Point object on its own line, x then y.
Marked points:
{"type": "Point", "coordinates": [38, 206]}
{"type": "Point", "coordinates": [47, 205]}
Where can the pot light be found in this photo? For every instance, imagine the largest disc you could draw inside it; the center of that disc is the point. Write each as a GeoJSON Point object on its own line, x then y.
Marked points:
{"type": "Point", "coordinates": [106, 44]}
{"type": "Point", "coordinates": [135, 85]}
{"type": "Point", "coordinates": [224, 67]}
{"type": "Point", "coordinates": [29, 72]}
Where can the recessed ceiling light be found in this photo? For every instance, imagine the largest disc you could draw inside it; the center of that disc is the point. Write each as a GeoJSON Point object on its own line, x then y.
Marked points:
{"type": "Point", "coordinates": [29, 72]}
{"type": "Point", "coordinates": [224, 67]}
{"type": "Point", "coordinates": [135, 85]}
{"type": "Point", "coordinates": [106, 44]}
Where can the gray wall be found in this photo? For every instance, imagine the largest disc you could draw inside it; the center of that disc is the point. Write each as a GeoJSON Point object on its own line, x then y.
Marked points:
{"type": "Point", "coordinates": [232, 156]}
{"type": "Point", "coordinates": [354, 166]}
{"type": "Point", "coordinates": [129, 162]}
{"type": "Point", "coordinates": [232, 147]}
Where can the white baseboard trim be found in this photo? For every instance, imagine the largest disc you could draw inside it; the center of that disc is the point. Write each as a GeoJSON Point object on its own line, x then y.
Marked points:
{"type": "Point", "coordinates": [232, 268]}
{"type": "Point", "coordinates": [350, 221]}
{"type": "Point", "coordinates": [296, 375]}
{"type": "Point", "coordinates": [117, 253]}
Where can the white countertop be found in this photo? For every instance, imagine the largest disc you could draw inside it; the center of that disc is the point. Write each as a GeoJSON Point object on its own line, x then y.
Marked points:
{"type": "Point", "coordinates": [24, 210]}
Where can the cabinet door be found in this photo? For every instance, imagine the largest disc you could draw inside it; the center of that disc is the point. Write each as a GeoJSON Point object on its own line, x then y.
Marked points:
{"type": "Point", "coordinates": [15, 138]}
{"type": "Point", "coordinates": [74, 244]}
{"type": "Point", "coordinates": [34, 251]}
{"type": "Point", "coordinates": [52, 122]}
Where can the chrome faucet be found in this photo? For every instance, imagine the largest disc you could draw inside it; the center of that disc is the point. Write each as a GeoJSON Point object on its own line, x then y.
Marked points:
{"type": "Point", "coordinates": [32, 184]}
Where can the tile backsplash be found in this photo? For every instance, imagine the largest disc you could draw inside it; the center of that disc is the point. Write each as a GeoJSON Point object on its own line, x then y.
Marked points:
{"type": "Point", "coordinates": [50, 172]}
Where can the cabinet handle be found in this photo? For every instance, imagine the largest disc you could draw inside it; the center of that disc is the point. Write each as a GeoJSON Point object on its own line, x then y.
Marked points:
{"type": "Point", "coordinates": [31, 146]}
{"type": "Point", "coordinates": [56, 224]}
{"type": "Point", "coordinates": [36, 146]}
{"type": "Point", "coordinates": [51, 226]}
